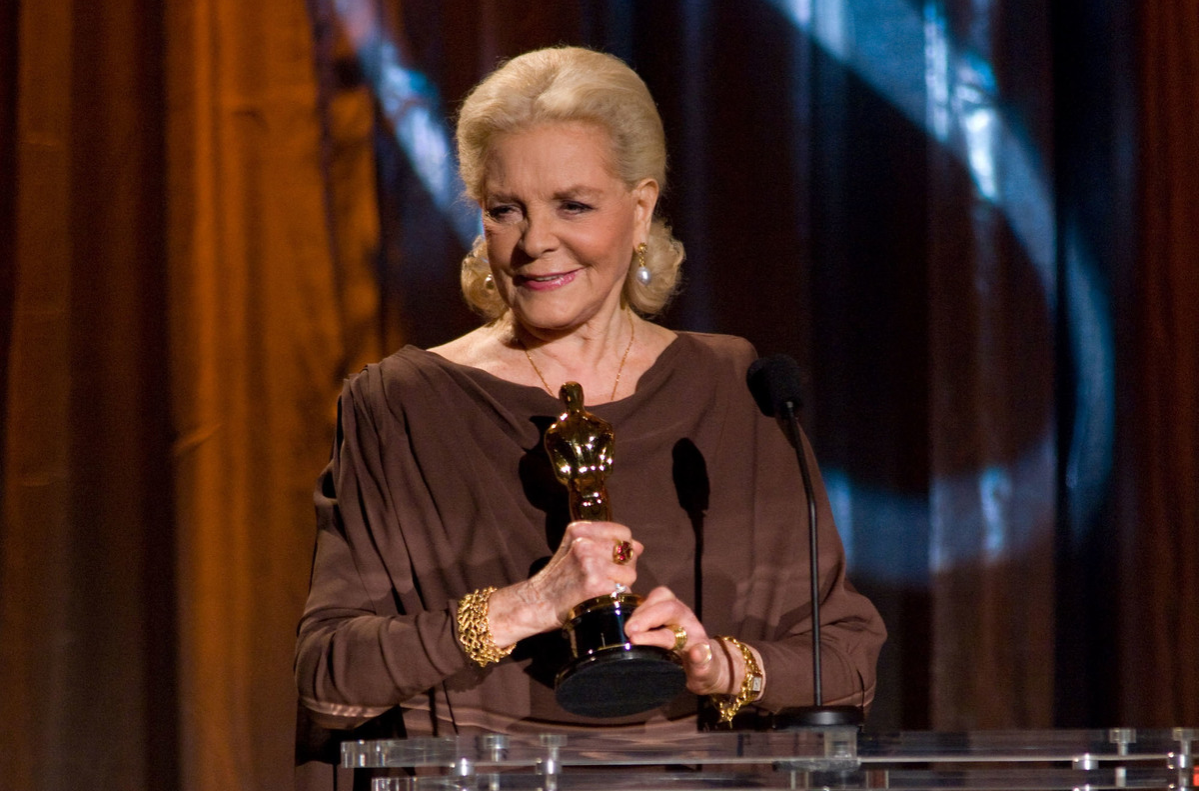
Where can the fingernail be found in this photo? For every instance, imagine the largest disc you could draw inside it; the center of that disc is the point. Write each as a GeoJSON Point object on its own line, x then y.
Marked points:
{"type": "Point", "coordinates": [705, 652]}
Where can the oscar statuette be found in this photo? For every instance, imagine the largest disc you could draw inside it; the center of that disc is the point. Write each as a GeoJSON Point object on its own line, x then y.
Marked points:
{"type": "Point", "coordinates": [607, 676]}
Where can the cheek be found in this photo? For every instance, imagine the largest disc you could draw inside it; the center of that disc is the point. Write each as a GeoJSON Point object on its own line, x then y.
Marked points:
{"type": "Point", "coordinates": [614, 244]}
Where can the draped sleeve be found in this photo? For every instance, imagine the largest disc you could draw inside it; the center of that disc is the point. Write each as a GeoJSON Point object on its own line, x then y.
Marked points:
{"type": "Point", "coordinates": [360, 649]}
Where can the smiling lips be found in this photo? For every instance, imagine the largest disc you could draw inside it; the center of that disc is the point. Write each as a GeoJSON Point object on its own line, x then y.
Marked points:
{"type": "Point", "coordinates": [544, 282]}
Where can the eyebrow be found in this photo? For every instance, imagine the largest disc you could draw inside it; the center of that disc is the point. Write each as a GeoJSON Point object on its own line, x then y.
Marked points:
{"type": "Point", "coordinates": [569, 193]}
{"type": "Point", "coordinates": [579, 191]}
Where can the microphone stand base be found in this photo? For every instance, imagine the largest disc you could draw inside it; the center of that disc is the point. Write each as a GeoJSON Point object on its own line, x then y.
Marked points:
{"type": "Point", "coordinates": [818, 717]}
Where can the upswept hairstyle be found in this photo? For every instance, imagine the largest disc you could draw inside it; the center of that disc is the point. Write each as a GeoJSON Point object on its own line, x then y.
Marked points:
{"type": "Point", "coordinates": [570, 84]}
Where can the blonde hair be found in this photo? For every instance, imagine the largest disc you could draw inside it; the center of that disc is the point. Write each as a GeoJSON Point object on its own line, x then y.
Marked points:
{"type": "Point", "coordinates": [562, 84]}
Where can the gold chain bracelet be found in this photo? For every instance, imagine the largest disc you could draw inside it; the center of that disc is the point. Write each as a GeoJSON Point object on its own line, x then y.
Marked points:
{"type": "Point", "coordinates": [474, 633]}
{"type": "Point", "coordinates": [751, 685]}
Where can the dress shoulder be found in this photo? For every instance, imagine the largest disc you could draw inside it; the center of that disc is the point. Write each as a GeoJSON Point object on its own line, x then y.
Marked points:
{"type": "Point", "coordinates": [409, 379]}
{"type": "Point", "coordinates": [714, 349]}
{"type": "Point", "coordinates": [407, 368]}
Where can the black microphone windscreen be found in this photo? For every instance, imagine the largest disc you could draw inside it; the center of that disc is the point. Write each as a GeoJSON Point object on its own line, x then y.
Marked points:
{"type": "Point", "coordinates": [774, 382]}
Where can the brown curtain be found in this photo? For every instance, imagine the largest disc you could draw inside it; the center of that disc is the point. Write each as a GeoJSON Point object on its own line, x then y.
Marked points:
{"type": "Point", "coordinates": [86, 599]}
{"type": "Point", "coordinates": [1159, 638]}
{"type": "Point", "coordinates": [258, 349]}
{"type": "Point", "coordinates": [991, 422]}
{"type": "Point", "coordinates": [177, 335]}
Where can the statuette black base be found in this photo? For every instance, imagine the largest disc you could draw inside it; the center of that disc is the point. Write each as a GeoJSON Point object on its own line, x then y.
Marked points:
{"type": "Point", "coordinates": [620, 681]}
{"type": "Point", "coordinates": [609, 676]}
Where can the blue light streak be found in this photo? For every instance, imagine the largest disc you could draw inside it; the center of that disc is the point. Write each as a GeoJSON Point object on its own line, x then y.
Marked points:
{"type": "Point", "coordinates": [952, 95]}
{"type": "Point", "coordinates": [909, 60]}
{"type": "Point", "coordinates": [411, 106]}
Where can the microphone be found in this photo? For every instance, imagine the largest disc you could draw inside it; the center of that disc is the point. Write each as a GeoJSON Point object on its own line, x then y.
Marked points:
{"type": "Point", "coordinates": [774, 383]}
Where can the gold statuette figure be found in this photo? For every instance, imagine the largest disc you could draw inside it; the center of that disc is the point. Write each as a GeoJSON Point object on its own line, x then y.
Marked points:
{"type": "Point", "coordinates": [580, 446]}
{"type": "Point", "coordinates": [608, 676]}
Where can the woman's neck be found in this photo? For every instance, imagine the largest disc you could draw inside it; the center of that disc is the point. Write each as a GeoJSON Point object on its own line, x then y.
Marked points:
{"type": "Point", "coordinates": [594, 356]}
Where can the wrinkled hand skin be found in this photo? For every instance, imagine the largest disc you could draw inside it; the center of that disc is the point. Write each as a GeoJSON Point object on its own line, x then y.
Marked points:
{"type": "Point", "coordinates": [711, 669]}
{"type": "Point", "coordinates": [582, 568]}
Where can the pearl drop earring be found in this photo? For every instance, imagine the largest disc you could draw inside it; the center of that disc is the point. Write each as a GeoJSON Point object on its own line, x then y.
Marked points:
{"type": "Point", "coordinates": [642, 273]}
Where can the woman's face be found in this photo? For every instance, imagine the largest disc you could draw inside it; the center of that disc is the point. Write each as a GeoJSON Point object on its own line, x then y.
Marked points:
{"type": "Point", "coordinates": [561, 227]}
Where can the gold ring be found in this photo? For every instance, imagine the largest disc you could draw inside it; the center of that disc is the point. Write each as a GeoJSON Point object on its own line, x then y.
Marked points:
{"type": "Point", "coordinates": [680, 636]}
{"type": "Point", "coordinates": [622, 553]}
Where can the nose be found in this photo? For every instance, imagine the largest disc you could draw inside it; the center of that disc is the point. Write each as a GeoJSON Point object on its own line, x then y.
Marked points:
{"type": "Point", "coordinates": [538, 236]}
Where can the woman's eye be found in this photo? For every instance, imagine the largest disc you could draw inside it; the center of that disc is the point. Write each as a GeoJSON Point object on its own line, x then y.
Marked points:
{"type": "Point", "coordinates": [575, 207]}
{"type": "Point", "coordinates": [501, 212]}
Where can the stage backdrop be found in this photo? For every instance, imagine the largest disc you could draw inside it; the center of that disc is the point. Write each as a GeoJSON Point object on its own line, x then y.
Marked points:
{"type": "Point", "coordinates": [972, 222]}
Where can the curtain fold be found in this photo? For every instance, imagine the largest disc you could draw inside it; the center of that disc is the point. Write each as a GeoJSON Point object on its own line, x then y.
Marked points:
{"type": "Point", "coordinates": [1159, 640]}
{"type": "Point", "coordinates": [178, 340]}
{"type": "Point", "coordinates": [259, 345]}
{"type": "Point", "coordinates": [36, 546]}
{"type": "Point", "coordinates": [991, 303]}
{"type": "Point", "coordinates": [87, 646]}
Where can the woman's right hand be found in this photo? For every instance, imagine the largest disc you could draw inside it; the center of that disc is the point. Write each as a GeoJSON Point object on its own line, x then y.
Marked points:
{"type": "Point", "coordinates": [584, 566]}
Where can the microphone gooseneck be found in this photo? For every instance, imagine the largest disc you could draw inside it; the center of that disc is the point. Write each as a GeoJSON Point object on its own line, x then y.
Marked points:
{"type": "Point", "coordinates": [774, 383]}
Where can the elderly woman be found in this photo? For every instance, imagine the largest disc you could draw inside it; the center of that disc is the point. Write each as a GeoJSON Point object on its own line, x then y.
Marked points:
{"type": "Point", "coordinates": [445, 562]}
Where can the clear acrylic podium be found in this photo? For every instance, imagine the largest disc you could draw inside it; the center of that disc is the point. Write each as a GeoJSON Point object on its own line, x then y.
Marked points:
{"type": "Point", "coordinates": [830, 758]}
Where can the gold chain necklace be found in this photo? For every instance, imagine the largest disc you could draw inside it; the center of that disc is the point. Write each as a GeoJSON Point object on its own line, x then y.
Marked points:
{"type": "Point", "coordinates": [619, 369]}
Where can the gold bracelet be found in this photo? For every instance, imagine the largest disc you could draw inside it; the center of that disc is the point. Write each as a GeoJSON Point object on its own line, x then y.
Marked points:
{"type": "Point", "coordinates": [474, 633]}
{"type": "Point", "coordinates": [751, 685]}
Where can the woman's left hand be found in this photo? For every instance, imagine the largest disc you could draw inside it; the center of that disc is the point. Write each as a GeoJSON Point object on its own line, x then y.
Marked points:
{"type": "Point", "coordinates": [710, 669]}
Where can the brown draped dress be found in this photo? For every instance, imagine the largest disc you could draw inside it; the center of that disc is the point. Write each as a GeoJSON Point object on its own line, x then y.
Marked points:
{"type": "Point", "coordinates": [438, 485]}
